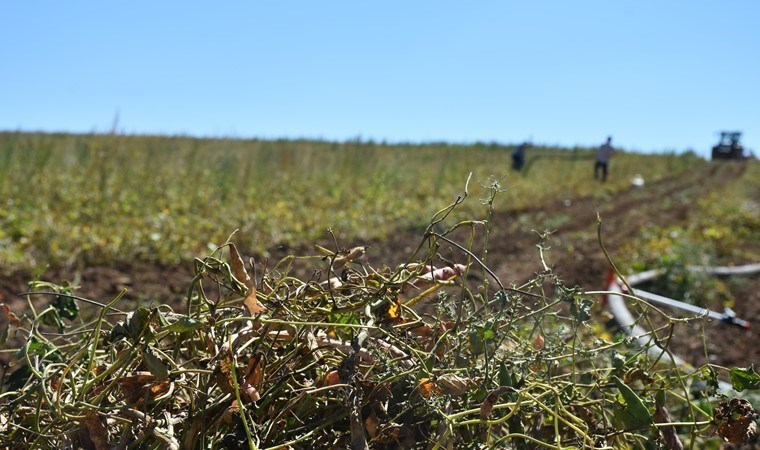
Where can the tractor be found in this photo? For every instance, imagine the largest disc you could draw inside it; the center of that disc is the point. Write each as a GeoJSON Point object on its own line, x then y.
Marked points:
{"type": "Point", "coordinates": [729, 146]}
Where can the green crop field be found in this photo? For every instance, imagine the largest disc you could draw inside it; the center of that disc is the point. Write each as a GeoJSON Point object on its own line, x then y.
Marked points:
{"type": "Point", "coordinates": [93, 199]}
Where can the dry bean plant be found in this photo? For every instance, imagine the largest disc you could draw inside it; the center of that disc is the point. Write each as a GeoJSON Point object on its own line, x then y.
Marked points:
{"type": "Point", "coordinates": [435, 352]}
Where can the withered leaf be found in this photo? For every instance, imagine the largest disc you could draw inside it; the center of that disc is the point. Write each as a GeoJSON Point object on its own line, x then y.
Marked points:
{"type": "Point", "coordinates": [354, 254]}
{"type": "Point", "coordinates": [252, 304]}
{"type": "Point", "coordinates": [255, 373]}
{"type": "Point", "coordinates": [638, 374]}
{"type": "Point", "coordinates": [7, 319]}
{"type": "Point", "coordinates": [371, 423]}
{"type": "Point", "coordinates": [224, 375]}
{"type": "Point", "coordinates": [230, 412]}
{"type": "Point", "coordinates": [539, 343]}
{"type": "Point", "coordinates": [452, 384]}
{"type": "Point", "coordinates": [388, 434]}
{"type": "Point", "coordinates": [738, 432]}
{"type": "Point", "coordinates": [241, 274]}
{"type": "Point", "coordinates": [375, 393]}
{"type": "Point", "coordinates": [238, 267]}
{"type": "Point", "coordinates": [142, 385]}
{"type": "Point", "coordinates": [96, 431]}
{"type": "Point", "coordinates": [426, 387]}
{"type": "Point", "coordinates": [331, 378]}
{"type": "Point", "coordinates": [253, 378]}
{"type": "Point", "coordinates": [423, 330]}
{"type": "Point", "coordinates": [7, 314]}
{"type": "Point", "coordinates": [251, 392]}
{"type": "Point", "coordinates": [390, 312]}
{"type": "Point", "coordinates": [737, 421]}
{"type": "Point", "coordinates": [487, 407]}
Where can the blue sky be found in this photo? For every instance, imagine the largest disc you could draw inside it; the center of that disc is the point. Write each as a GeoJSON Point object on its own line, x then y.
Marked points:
{"type": "Point", "coordinates": [656, 75]}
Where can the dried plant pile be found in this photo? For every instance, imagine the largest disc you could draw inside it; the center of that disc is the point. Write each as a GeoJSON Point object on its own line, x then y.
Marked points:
{"type": "Point", "coordinates": [432, 354]}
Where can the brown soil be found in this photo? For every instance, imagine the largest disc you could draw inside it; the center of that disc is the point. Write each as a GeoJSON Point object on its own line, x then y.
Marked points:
{"type": "Point", "coordinates": [574, 254]}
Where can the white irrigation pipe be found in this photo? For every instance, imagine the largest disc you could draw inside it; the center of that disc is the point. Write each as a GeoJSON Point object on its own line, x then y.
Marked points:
{"type": "Point", "coordinates": [727, 316]}
{"type": "Point", "coordinates": [627, 323]}
{"type": "Point", "coordinates": [625, 320]}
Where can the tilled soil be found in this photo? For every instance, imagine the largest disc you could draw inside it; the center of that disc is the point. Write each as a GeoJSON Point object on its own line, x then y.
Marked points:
{"type": "Point", "coordinates": [572, 250]}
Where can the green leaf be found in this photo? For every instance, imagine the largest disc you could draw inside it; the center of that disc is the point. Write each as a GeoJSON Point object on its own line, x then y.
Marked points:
{"type": "Point", "coordinates": [659, 398]}
{"type": "Point", "coordinates": [184, 324]}
{"type": "Point", "coordinates": [133, 325]}
{"type": "Point", "coordinates": [476, 342]}
{"type": "Point", "coordinates": [344, 318]}
{"type": "Point", "coordinates": [161, 318]}
{"type": "Point", "coordinates": [154, 364]}
{"type": "Point", "coordinates": [45, 350]}
{"type": "Point", "coordinates": [632, 411]}
{"type": "Point", "coordinates": [51, 317]}
{"type": "Point", "coordinates": [580, 308]}
{"type": "Point", "coordinates": [746, 378]}
{"type": "Point", "coordinates": [118, 331]}
{"type": "Point", "coordinates": [18, 378]}
{"type": "Point", "coordinates": [506, 378]}
{"type": "Point", "coordinates": [618, 360]}
{"type": "Point", "coordinates": [501, 298]}
{"type": "Point", "coordinates": [137, 320]}
{"type": "Point", "coordinates": [711, 379]}
{"type": "Point", "coordinates": [67, 307]}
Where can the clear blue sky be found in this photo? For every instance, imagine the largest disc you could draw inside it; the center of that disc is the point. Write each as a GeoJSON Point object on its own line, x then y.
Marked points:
{"type": "Point", "coordinates": [656, 75]}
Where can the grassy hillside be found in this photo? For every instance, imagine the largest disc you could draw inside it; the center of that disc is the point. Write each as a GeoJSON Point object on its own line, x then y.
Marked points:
{"type": "Point", "coordinates": [87, 199]}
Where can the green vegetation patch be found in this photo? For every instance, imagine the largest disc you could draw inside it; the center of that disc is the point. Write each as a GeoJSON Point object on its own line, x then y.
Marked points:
{"type": "Point", "coordinates": [78, 200]}
{"type": "Point", "coordinates": [723, 230]}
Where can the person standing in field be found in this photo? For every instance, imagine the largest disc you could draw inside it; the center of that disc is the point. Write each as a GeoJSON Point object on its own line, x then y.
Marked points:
{"type": "Point", "coordinates": [518, 156]}
{"type": "Point", "coordinates": [603, 155]}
